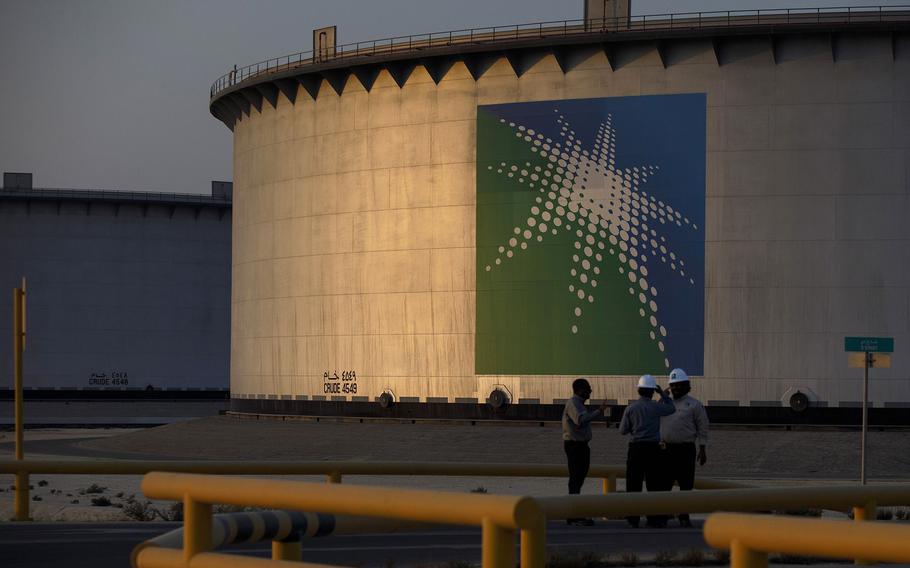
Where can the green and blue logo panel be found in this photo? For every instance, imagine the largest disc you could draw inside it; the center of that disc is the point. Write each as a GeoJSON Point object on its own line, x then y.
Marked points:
{"type": "Point", "coordinates": [590, 236]}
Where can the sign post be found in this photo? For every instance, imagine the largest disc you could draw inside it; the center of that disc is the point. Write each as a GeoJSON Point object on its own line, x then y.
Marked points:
{"type": "Point", "coordinates": [21, 505]}
{"type": "Point", "coordinates": [874, 351]}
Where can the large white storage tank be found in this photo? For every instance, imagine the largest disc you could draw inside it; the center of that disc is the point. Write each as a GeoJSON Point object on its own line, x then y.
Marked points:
{"type": "Point", "coordinates": [128, 293]}
{"type": "Point", "coordinates": [444, 223]}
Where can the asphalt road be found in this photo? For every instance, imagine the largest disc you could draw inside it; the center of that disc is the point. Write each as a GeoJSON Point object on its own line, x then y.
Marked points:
{"type": "Point", "coordinates": [108, 545]}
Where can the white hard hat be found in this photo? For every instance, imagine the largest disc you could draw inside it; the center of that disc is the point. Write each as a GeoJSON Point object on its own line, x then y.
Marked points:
{"type": "Point", "coordinates": [647, 382]}
{"type": "Point", "coordinates": [678, 376]}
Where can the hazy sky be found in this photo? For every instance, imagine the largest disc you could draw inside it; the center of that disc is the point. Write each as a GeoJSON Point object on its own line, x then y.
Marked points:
{"type": "Point", "coordinates": [114, 94]}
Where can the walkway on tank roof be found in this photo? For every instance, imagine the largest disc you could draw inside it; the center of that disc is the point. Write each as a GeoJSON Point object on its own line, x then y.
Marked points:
{"type": "Point", "coordinates": [237, 92]}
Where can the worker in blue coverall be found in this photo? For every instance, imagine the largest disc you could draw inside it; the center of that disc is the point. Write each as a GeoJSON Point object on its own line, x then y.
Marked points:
{"type": "Point", "coordinates": [641, 420]}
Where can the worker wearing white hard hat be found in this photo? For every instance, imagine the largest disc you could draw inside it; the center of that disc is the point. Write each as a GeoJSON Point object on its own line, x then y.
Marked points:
{"type": "Point", "coordinates": [678, 376]}
{"type": "Point", "coordinates": [647, 382]}
{"type": "Point", "coordinates": [641, 420]}
{"type": "Point", "coordinates": [680, 432]}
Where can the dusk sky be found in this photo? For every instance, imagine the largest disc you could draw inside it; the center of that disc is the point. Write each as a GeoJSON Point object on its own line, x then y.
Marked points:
{"type": "Point", "coordinates": [114, 94]}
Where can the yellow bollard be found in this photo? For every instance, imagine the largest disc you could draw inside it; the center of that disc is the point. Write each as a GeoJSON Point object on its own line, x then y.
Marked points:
{"type": "Point", "coordinates": [333, 477]}
{"type": "Point", "coordinates": [609, 487]}
{"type": "Point", "coordinates": [498, 546]}
{"type": "Point", "coordinates": [22, 496]}
{"type": "Point", "coordinates": [861, 514]}
{"type": "Point", "coordinates": [286, 551]}
{"type": "Point", "coordinates": [197, 528]}
{"type": "Point", "coordinates": [865, 513]}
{"type": "Point", "coordinates": [742, 556]}
{"type": "Point", "coordinates": [534, 545]}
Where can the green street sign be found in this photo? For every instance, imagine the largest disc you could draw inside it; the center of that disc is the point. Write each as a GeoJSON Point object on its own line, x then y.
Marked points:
{"type": "Point", "coordinates": [869, 344]}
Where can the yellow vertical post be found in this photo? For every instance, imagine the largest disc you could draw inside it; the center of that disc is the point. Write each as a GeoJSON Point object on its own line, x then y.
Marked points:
{"type": "Point", "coordinates": [866, 512]}
{"type": "Point", "coordinates": [609, 486]}
{"type": "Point", "coordinates": [534, 544]}
{"type": "Point", "coordinates": [22, 324]}
{"type": "Point", "coordinates": [333, 477]}
{"type": "Point", "coordinates": [197, 528]}
{"type": "Point", "coordinates": [286, 551]}
{"type": "Point", "coordinates": [498, 546]}
{"type": "Point", "coordinates": [861, 514]}
{"type": "Point", "coordinates": [21, 506]}
{"type": "Point", "coordinates": [741, 556]}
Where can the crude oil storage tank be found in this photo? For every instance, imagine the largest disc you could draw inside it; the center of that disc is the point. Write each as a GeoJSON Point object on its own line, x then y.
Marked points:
{"type": "Point", "coordinates": [461, 223]}
{"type": "Point", "coordinates": [128, 293]}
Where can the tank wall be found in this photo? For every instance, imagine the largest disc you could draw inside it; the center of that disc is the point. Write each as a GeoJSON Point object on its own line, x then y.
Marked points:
{"type": "Point", "coordinates": [354, 223]}
{"type": "Point", "coordinates": [118, 296]}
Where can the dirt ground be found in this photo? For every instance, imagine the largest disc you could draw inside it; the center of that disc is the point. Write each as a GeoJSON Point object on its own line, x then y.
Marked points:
{"type": "Point", "coordinates": [760, 456]}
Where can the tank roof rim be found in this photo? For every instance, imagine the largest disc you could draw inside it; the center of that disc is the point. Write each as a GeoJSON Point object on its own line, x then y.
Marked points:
{"type": "Point", "coordinates": [512, 45]}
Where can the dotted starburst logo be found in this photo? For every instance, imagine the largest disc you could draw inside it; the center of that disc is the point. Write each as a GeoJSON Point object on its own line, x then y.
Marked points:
{"type": "Point", "coordinates": [605, 210]}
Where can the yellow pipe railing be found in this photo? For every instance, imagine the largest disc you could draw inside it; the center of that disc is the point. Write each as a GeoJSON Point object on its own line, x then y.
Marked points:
{"type": "Point", "coordinates": [197, 544]}
{"type": "Point", "coordinates": [332, 470]}
{"type": "Point", "coordinates": [141, 467]}
{"type": "Point", "coordinates": [862, 499]}
{"type": "Point", "coordinates": [751, 537]}
{"type": "Point", "coordinates": [499, 516]}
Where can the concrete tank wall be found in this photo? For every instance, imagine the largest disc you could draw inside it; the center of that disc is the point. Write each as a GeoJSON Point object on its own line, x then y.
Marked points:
{"type": "Point", "coordinates": [120, 296]}
{"type": "Point", "coordinates": [354, 223]}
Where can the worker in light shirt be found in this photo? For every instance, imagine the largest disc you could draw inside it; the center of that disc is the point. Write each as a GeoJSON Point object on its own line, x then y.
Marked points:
{"type": "Point", "coordinates": [576, 434]}
{"type": "Point", "coordinates": [680, 432]}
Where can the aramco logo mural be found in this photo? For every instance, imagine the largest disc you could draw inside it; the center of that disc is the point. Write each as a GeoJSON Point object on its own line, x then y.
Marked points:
{"type": "Point", "coordinates": [590, 236]}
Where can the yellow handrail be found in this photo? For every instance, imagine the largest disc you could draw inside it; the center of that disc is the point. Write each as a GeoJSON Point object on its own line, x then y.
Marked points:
{"type": "Point", "coordinates": [751, 537]}
{"type": "Point", "coordinates": [498, 515]}
{"type": "Point", "coordinates": [141, 467]}
{"type": "Point", "coordinates": [405, 504]}
{"type": "Point", "coordinates": [332, 470]}
{"type": "Point", "coordinates": [470, 509]}
{"type": "Point", "coordinates": [862, 497]}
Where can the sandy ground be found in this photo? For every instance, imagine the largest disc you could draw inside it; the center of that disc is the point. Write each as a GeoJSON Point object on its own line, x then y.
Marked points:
{"type": "Point", "coordinates": [764, 457]}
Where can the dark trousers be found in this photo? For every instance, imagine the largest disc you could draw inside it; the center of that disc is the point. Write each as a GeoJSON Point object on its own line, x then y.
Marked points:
{"type": "Point", "coordinates": [680, 467]}
{"type": "Point", "coordinates": [644, 465]}
{"type": "Point", "coordinates": [578, 455]}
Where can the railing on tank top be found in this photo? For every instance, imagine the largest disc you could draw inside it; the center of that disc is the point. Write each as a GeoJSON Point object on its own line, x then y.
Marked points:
{"type": "Point", "coordinates": [565, 28]}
